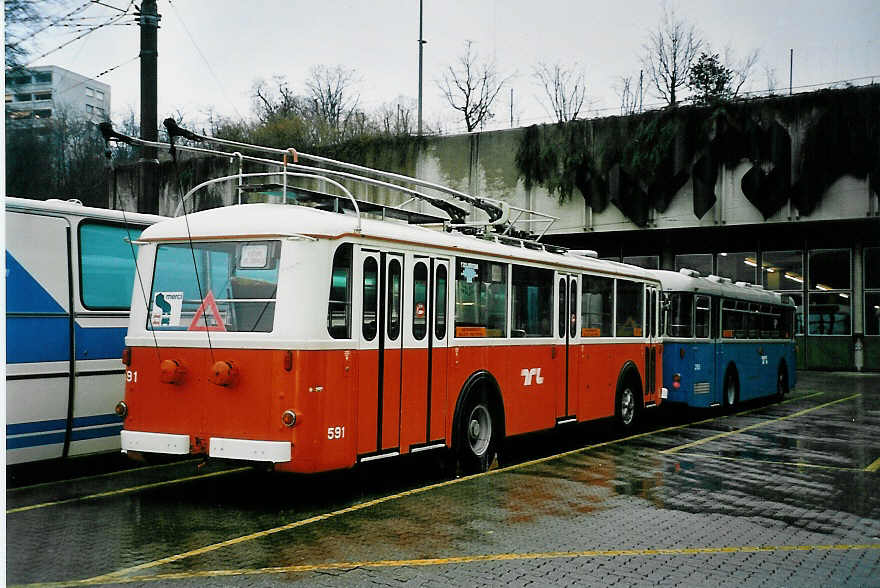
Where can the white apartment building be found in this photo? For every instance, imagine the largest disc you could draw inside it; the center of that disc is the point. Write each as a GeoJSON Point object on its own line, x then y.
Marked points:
{"type": "Point", "coordinates": [47, 91]}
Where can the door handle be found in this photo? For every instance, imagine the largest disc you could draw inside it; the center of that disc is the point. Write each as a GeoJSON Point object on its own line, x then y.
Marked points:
{"type": "Point", "coordinates": [553, 352]}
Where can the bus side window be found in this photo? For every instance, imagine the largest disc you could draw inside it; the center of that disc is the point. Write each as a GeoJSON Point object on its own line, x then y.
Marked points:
{"type": "Point", "coordinates": [702, 316]}
{"type": "Point", "coordinates": [562, 306]}
{"type": "Point", "coordinates": [394, 296]}
{"type": "Point", "coordinates": [106, 259]}
{"type": "Point", "coordinates": [597, 304]}
{"type": "Point", "coordinates": [420, 301]}
{"type": "Point", "coordinates": [440, 304]}
{"type": "Point", "coordinates": [630, 308]}
{"type": "Point", "coordinates": [480, 298]}
{"type": "Point", "coordinates": [370, 298]}
{"type": "Point", "coordinates": [532, 302]}
{"type": "Point", "coordinates": [339, 307]}
{"type": "Point", "coordinates": [731, 320]}
{"type": "Point", "coordinates": [715, 311]}
{"type": "Point", "coordinates": [681, 315]}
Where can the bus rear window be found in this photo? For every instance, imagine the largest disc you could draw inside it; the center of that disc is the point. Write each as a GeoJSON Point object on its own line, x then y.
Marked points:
{"type": "Point", "coordinates": [226, 286]}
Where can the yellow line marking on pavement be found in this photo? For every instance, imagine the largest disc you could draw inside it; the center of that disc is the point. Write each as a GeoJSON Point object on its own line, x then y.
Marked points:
{"type": "Point", "coordinates": [465, 559]}
{"type": "Point", "coordinates": [125, 490]}
{"type": "Point", "coordinates": [799, 464]}
{"type": "Point", "coordinates": [757, 425]}
{"type": "Point", "coordinates": [413, 492]}
{"type": "Point", "coordinates": [874, 466]}
{"type": "Point", "coordinates": [107, 475]}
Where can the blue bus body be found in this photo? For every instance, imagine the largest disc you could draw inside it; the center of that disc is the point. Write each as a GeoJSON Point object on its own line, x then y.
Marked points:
{"type": "Point", "coordinates": [702, 366]}
{"type": "Point", "coordinates": [69, 276]}
{"type": "Point", "coordinates": [724, 343]}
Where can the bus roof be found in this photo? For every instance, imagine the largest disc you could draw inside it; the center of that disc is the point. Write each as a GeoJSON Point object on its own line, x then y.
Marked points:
{"type": "Point", "coordinates": [285, 220]}
{"type": "Point", "coordinates": [685, 281]}
{"type": "Point", "coordinates": [76, 208]}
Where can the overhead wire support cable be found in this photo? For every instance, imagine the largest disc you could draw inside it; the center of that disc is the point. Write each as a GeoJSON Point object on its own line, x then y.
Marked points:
{"type": "Point", "coordinates": [52, 24]}
{"type": "Point", "coordinates": [78, 37]}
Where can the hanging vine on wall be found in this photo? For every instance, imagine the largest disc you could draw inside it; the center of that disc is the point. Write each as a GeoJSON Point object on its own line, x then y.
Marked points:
{"type": "Point", "coordinates": [643, 161]}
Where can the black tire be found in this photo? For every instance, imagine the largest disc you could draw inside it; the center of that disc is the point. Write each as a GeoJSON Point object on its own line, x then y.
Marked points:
{"type": "Point", "coordinates": [626, 405]}
{"type": "Point", "coordinates": [477, 434]}
{"type": "Point", "coordinates": [782, 381]}
{"type": "Point", "coordinates": [731, 389]}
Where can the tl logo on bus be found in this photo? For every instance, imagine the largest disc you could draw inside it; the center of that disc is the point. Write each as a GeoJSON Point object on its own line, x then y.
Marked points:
{"type": "Point", "coordinates": [528, 374]}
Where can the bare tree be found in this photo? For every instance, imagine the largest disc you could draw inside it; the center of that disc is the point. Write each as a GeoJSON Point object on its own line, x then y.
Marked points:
{"type": "Point", "coordinates": [397, 118]}
{"type": "Point", "coordinates": [23, 20]}
{"type": "Point", "coordinates": [772, 84]}
{"type": "Point", "coordinates": [565, 90]}
{"type": "Point", "coordinates": [669, 53]}
{"type": "Point", "coordinates": [740, 69]}
{"type": "Point", "coordinates": [331, 95]}
{"type": "Point", "coordinates": [629, 101]}
{"type": "Point", "coordinates": [472, 87]}
{"type": "Point", "coordinates": [276, 100]}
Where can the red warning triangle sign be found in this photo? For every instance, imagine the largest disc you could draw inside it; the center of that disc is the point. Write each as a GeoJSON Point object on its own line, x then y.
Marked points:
{"type": "Point", "coordinates": [202, 324]}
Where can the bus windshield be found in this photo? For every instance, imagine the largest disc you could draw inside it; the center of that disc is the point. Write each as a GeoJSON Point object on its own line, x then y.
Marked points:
{"type": "Point", "coordinates": [221, 286]}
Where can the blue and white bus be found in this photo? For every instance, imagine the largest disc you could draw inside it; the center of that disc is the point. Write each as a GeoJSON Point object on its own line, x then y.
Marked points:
{"type": "Point", "coordinates": [69, 275]}
{"type": "Point", "coordinates": [724, 343]}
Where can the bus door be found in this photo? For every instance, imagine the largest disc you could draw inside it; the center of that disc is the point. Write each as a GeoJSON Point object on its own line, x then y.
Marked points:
{"type": "Point", "coordinates": [40, 337]}
{"type": "Point", "coordinates": [651, 355]}
{"type": "Point", "coordinates": [423, 369]}
{"type": "Point", "coordinates": [567, 358]}
{"type": "Point", "coordinates": [381, 347]}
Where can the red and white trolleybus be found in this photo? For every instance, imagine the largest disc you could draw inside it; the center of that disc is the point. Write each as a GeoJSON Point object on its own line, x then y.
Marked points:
{"type": "Point", "coordinates": [313, 337]}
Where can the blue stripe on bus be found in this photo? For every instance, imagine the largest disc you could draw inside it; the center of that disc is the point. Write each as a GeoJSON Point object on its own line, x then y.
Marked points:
{"type": "Point", "coordinates": [99, 342]}
{"type": "Point", "coordinates": [37, 339]}
{"type": "Point", "coordinates": [36, 427]}
{"type": "Point", "coordinates": [56, 424]}
{"type": "Point", "coordinates": [34, 440]}
{"type": "Point", "coordinates": [58, 437]}
{"type": "Point", "coordinates": [24, 293]}
{"type": "Point", "coordinates": [84, 434]}
{"type": "Point", "coordinates": [98, 419]}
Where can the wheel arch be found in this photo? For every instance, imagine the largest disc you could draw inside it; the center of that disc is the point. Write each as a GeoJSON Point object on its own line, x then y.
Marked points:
{"type": "Point", "coordinates": [630, 371]}
{"type": "Point", "coordinates": [477, 381]}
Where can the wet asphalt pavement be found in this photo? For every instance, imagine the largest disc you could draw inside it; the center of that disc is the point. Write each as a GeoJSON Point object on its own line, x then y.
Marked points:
{"type": "Point", "coordinates": [775, 494]}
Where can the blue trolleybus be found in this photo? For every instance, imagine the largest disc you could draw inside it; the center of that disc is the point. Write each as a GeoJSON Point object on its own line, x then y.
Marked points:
{"type": "Point", "coordinates": [724, 342]}
{"type": "Point", "coordinates": [69, 275]}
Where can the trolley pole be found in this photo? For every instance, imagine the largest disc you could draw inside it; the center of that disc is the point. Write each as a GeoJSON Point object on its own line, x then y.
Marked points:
{"type": "Point", "coordinates": [149, 162]}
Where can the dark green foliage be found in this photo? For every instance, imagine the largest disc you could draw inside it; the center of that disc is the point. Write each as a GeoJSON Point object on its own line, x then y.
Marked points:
{"type": "Point", "coordinates": [533, 161]}
{"type": "Point", "coordinates": [642, 161]}
{"type": "Point", "coordinates": [844, 140]}
{"type": "Point", "coordinates": [710, 80]}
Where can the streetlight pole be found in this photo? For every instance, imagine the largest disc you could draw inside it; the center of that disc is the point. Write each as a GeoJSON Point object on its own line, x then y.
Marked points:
{"type": "Point", "coordinates": [149, 163]}
{"type": "Point", "coordinates": [421, 50]}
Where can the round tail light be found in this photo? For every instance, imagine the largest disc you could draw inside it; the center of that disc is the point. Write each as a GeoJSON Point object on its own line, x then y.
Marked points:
{"type": "Point", "coordinates": [121, 409]}
{"type": "Point", "coordinates": [288, 418]}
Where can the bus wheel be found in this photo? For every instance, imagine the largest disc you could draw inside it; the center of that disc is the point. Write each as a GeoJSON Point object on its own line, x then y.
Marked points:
{"type": "Point", "coordinates": [782, 381]}
{"type": "Point", "coordinates": [626, 406]}
{"type": "Point", "coordinates": [731, 389]}
{"type": "Point", "coordinates": [477, 436]}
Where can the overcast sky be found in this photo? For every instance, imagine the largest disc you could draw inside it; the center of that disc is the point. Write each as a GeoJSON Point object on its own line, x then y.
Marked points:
{"type": "Point", "coordinates": [211, 52]}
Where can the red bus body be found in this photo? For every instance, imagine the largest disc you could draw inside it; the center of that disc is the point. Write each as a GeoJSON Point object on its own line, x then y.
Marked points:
{"type": "Point", "coordinates": [355, 399]}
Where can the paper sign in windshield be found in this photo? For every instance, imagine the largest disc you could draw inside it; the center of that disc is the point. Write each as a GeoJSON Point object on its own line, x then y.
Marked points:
{"type": "Point", "coordinates": [254, 256]}
{"type": "Point", "coordinates": [166, 309]}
